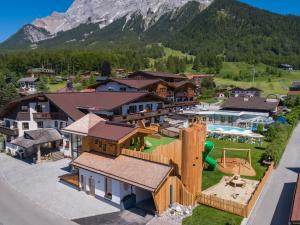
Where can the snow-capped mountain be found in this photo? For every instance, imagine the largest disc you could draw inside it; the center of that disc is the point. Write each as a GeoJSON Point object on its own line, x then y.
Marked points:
{"type": "Point", "coordinates": [105, 12]}
{"type": "Point", "coordinates": [98, 22]}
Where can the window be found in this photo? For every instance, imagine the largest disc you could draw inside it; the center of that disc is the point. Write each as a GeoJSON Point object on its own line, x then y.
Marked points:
{"type": "Point", "coordinates": [15, 125]}
{"type": "Point", "coordinates": [24, 108]}
{"type": "Point", "coordinates": [149, 107]}
{"type": "Point", "coordinates": [40, 124]}
{"type": "Point", "coordinates": [132, 109]}
{"type": "Point", "coordinates": [159, 106]}
{"type": "Point", "coordinates": [123, 89]}
{"type": "Point", "coordinates": [141, 108]}
{"type": "Point", "coordinates": [96, 141]}
{"type": "Point", "coordinates": [25, 126]}
{"type": "Point", "coordinates": [56, 124]}
{"type": "Point", "coordinates": [62, 125]}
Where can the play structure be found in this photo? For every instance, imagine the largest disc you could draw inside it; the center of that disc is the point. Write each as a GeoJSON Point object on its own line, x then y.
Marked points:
{"type": "Point", "coordinates": [236, 165]}
{"type": "Point", "coordinates": [208, 148]}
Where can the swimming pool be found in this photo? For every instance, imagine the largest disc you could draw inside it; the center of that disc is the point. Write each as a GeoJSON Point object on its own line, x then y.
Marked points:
{"type": "Point", "coordinates": [229, 129]}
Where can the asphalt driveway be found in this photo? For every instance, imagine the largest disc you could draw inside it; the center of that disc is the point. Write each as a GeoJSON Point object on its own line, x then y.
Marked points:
{"type": "Point", "coordinates": [126, 217]}
{"type": "Point", "coordinates": [274, 205]}
{"type": "Point", "coordinates": [40, 184]}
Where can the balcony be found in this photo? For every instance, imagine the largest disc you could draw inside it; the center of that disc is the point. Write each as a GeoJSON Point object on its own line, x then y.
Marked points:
{"type": "Point", "coordinates": [8, 131]}
{"type": "Point", "coordinates": [140, 116]}
{"type": "Point", "coordinates": [49, 116]}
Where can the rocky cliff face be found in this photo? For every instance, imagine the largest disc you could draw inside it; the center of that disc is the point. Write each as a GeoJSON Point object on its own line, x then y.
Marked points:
{"type": "Point", "coordinates": [105, 12]}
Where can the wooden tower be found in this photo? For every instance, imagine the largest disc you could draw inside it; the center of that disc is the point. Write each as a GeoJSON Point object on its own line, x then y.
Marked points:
{"type": "Point", "coordinates": [193, 141]}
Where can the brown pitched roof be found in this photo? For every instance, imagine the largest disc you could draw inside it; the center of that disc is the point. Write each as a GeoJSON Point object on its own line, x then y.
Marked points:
{"type": "Point", "coordinates": [138, 84]}
{"type": "Point", "coordinates": [83, 125]}
{"type": "Point", "coordinates": [111, 131]}
{"type": "Point", "coordinates": [180, 84]}
{"type": "Point", "coordinates": [71, 102]}
{"type": "Point", "coordinates": [295, 217]}
{"type": "Point", "coordinates": [36, 137]}
{"type": "Point", "coordinates": [157, 74]}
{"type": "Point", "coordinates": [295, 93]}
{"type": "Point", "coordinates": [251, 103]}
{"type": "Point", "coordinates": [144, 174]}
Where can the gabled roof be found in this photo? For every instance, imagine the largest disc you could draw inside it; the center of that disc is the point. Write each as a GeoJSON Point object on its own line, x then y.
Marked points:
{"type": "Point", "coordinates": [251, 103]}
{"type": "Point", "coordinates": [71, 103]}
{"type": "Point", "coordinates": [28, 79]}
{"type": "Point", "coordinates": [138, 84]}
{"type": "Point", "coordinates": [111, 131]}
{"type": "Point", "coordinates": [36, 137]}
{"type": "Point", "coordinates": [83, 125]}
{"type": "Point", "coordinates": [180, 84]}
{"type": "Point", "coordinates": [253, 89]}
{"type": "Point", "coordinates": [157, 74]}
{"type": "Point", "coordinates": [245, 89]}
{"type": "Point", "coordinates": [141, 173]}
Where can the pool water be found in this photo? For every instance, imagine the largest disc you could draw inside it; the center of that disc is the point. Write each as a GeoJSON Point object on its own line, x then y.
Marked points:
{"type": "Point", "coordinates": [214, 127]}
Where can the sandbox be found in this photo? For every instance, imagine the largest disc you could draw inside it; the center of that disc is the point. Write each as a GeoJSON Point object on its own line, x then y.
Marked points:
{"type": "Point", "coordinates": [227, 191]}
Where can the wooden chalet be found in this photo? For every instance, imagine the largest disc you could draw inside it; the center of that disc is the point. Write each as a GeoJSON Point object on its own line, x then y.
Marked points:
{"type": "Point", "coordinates": [110, 171]}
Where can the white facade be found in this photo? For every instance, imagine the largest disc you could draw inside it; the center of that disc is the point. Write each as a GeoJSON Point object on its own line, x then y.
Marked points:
{"type": "Point", "coordinates": [115, 86]}
{"type": "Point", "coordinates": [29, 87]}
{"type": "Point", "coordinates": [119, 189]}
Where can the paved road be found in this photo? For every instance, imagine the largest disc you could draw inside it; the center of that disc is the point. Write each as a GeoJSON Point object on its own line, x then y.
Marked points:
{"type": "Point", "coordinates": [16, 209]}
{"type": "Point", "coordinates": [274, 205]}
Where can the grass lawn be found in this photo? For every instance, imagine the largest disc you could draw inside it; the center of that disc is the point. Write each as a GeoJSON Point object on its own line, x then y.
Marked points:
{"type": "Point", "coordinates": [211, 178]}
{"type": "Point", "coordinates": [56, 87]}
{"type": "Point", "coordinates": [278, 85]}
{"type": "Point", "coordinates": [157, 142]}
{"type": "Point", "coordinates": [204, 215]}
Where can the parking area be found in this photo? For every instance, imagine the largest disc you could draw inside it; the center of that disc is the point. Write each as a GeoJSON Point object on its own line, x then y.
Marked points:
{"type": "Point", "coordinates": [41, 185]}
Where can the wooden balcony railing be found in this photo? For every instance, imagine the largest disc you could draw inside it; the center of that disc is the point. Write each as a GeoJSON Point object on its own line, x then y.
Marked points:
{"type": "Point", "coordinates": [8, 131]}
{"type": "Point", "coordinates": [48, 116]}
{"type": "Point", "coordinates": [140, 116]}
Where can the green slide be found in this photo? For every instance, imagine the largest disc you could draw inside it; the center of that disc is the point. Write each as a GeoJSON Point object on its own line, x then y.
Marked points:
{"type": "Point", "coordinates": [209, 147]}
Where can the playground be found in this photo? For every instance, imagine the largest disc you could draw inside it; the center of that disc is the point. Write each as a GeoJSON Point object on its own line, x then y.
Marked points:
{"type": "Point", "coordinates": [233, 188]}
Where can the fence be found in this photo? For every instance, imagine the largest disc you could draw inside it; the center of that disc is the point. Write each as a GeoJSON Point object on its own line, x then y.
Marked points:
{"type": "Point", "coordinates": [259, 188]}
{"type": "Point", "coordinates": [166, 154]}
{"type": "Point", "coordinates": [234, 207]}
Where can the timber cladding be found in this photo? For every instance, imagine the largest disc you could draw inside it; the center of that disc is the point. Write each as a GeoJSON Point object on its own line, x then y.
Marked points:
{"type": "Point", "coordinates": [163, 196]}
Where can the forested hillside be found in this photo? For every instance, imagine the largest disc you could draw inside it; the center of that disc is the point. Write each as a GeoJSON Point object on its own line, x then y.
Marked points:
{"type": "Point", "coordinates": [238, 32]}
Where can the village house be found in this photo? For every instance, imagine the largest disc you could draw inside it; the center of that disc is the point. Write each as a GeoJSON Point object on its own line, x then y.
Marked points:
{"type": "Point", "coordinates": [57, 110]}
{"type": "Point", "coordinates": [295, 89]}
{"type": "Point", "coordinates": [38, 72]}
{"type": "Point", "coordinates": [251, 104]}
{"type": "Point", "coordinates": [175, 92]}
{"type": "Point", "coordinates": [28, 85]}
{"type": "Point", "coordinates": [248, 92]}
{"type": "Point", "coordinates": [197, 79]}
{"type": "Point", "coordinates": [286, 67]}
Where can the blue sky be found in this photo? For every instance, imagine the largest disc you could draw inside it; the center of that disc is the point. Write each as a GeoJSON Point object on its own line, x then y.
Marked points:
{"type": "Point", "coordinates": [16, 13]}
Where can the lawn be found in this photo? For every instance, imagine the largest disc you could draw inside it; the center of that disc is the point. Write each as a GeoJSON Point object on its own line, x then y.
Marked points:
{"type": "Point", "coordinates": [157, 142]}
{"type": "Point", "coordinates": [154, 143]}
{"type": "Point", "coordinates": [56, 87]}
{"type": "Point", "coordinates": [204, 215]}
{"type": "Point", "coordinates": [211, 178]}
{"type": "Point", "coordinates": [277, 85]}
